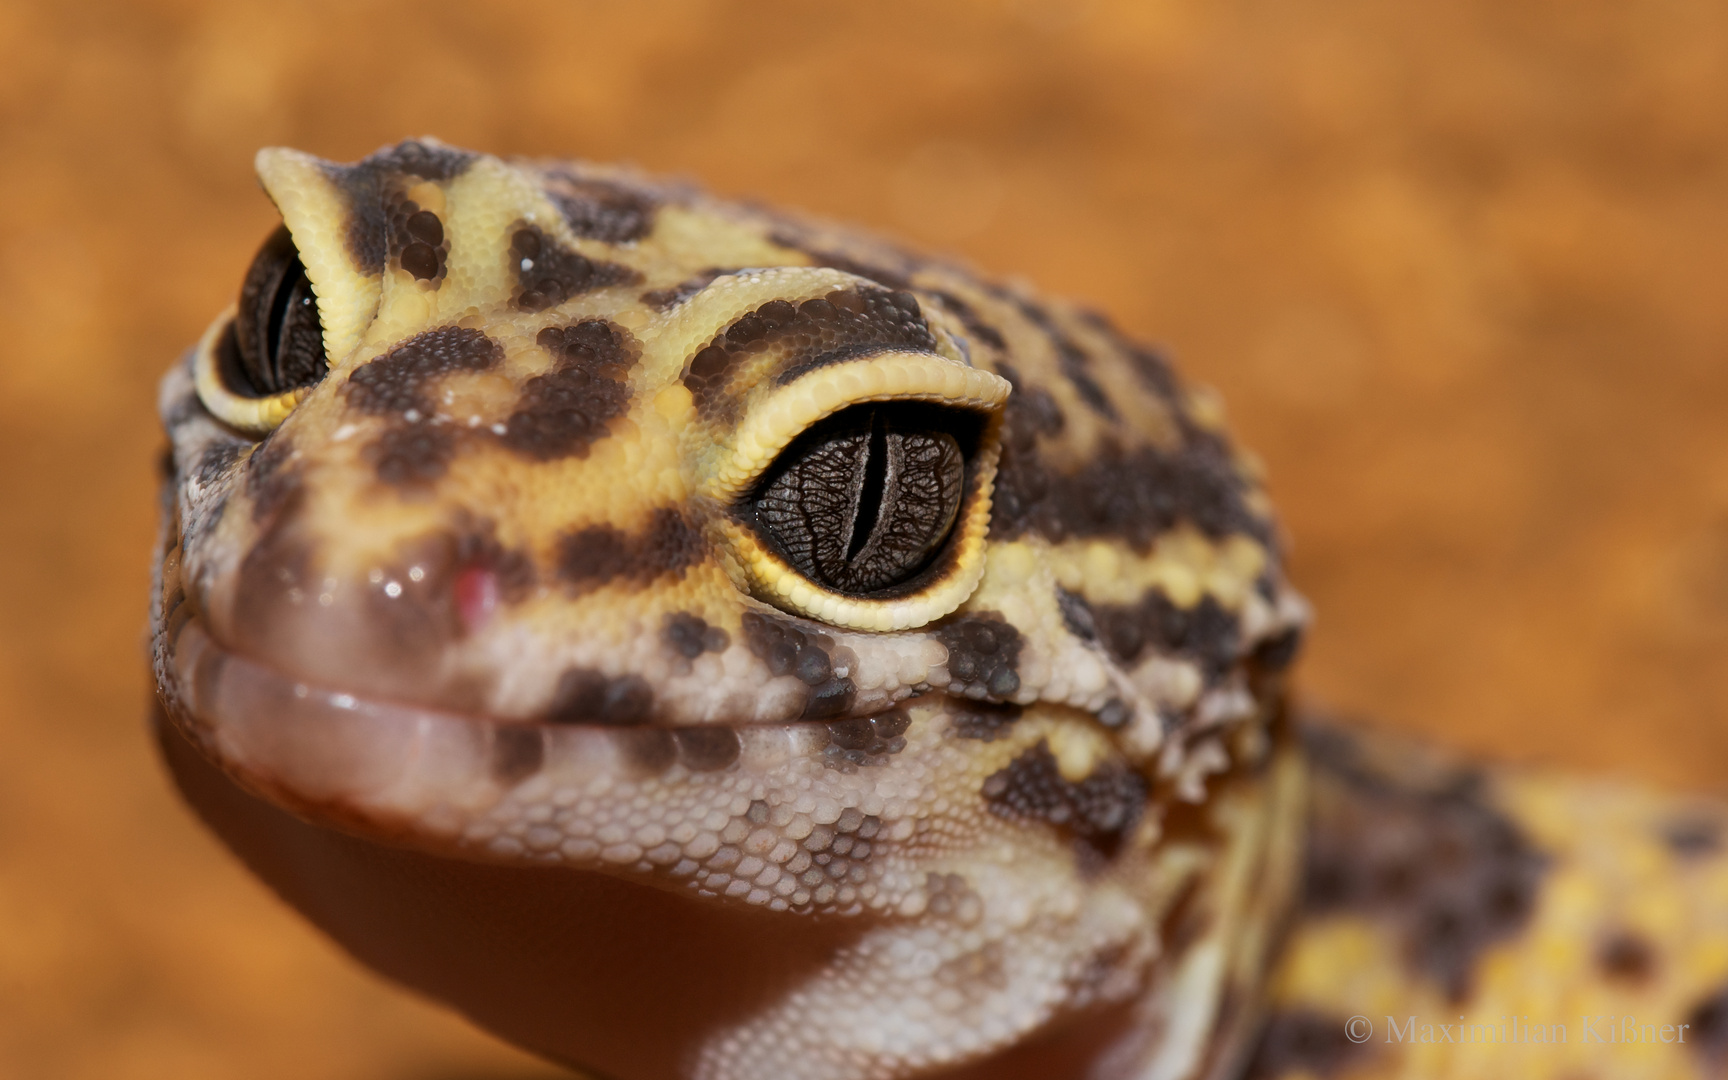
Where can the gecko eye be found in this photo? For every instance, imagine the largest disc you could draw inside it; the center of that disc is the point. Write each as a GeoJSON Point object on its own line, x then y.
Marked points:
{"type": "Point", "coordinates": [259, 360]}
{"type": "Point", "coordinates": [858, 494]}
{"type": "Point", "coordinates": [278, 342]}
{"type": "Point", "coordinates": [863, 501]}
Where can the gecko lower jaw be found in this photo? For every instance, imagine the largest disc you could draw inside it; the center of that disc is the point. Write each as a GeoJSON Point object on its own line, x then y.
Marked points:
{"type": "Point", "coordinates": [335, 755]}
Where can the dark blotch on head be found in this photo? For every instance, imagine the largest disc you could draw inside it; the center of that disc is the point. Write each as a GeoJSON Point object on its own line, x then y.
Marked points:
{"type": "Point", "coordinates": [1076, 615]}
{"type": "Point", "coordinates": [1132, 495]}
{"type": "Point", "coordinates": [1149, 365]}
{"type": "Point", "coordinates": [969, 318]}
{"type": "Point", "coordinates": [1071, 358]}
{"type": "Point", "coordinates": [417, 239]}
{"type": "Point", "coordinates": [598, 209]}
{"type": "Point", "coordinates": [373, 184]}
{"type": "Point", "coordinates": [706, 749]}
{"type": "Point", "coordinates": [517, 753]}
{"type": "Point", "coordinates": [400, 380]}
{"type": "Point", "coordinates": [213, 464]}
{"type": "Point", "coordinates": [271, 483]}
{"type": "Point", "coordinates": [815, 333]}
{"type": "Point", "coordinates": [421, 260]}
{"type": "Point", "coordinates": [1424, 852]}
{"type": "Point", "coordinates": [1276, 653]}
{"type": "Point", "coordinates": [412, 454]}
{"type": "Point", "coordinates": [1205, 633]}
{"type": "Point", "coordinates": [592, 557]}
{"type": "Point", "coordinates": [1128, 494]}
{"type": "Point", "coordinates": [564, 412]}
{"type": "Point", "coordinates": [1098, 811]}
{"type": "Point", "coordinates": [787, 650]}
{"type": "Point", "coordinates": [690, 635]}
{"type": "Point", "coordinates": [589, 697]}
{"type": "Point", "coordinates": [982, 652]}
{"type": "Point", "coordinates": [1693, 838]}
{"type": "Point", "coordinates": [891, 277]}
{"type": "Point", "coordinates": [1300, 1042]}
{"type": "Point", "coordinates": [547, 273]}
{"type": "Point", "coordinates": [1626, 957]}
{"type": "Point", "coordinates": [982, 720]}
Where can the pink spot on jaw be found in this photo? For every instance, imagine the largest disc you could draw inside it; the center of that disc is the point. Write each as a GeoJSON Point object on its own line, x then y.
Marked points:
{"type": "Point", "coordinates": [476, 591]}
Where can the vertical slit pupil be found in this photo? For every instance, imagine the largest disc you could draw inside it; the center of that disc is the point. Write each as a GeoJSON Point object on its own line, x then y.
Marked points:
{"type": "Point", "coordinates": [287, 291]}
{"type": "Point", "coordinates": [874, 487]}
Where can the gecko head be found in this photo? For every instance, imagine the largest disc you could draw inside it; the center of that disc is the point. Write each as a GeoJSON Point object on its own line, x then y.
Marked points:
{"type": "Point", "coordinates": [544, 516]}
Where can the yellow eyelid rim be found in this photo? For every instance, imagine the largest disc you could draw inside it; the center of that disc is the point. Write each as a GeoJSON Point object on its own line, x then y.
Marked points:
{"type": "Point", "coordinates": [254, 416]}
{"type": "Point", "coordinates": [888, 376]}
{"type": "Point", "coordinates": [893, 376]}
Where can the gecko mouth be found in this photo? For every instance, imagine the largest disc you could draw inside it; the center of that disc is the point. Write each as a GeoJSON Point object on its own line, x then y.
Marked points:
{"type": "Point", "coordinates": [358, 760]}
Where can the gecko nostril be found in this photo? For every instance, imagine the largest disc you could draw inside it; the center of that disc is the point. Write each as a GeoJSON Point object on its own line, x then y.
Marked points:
{"type": "Point", "coordinates": [476, 593]}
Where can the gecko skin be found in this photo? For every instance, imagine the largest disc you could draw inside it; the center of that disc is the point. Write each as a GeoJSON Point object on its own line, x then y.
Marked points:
{"type": "Point", "coordinates": [698, 642]}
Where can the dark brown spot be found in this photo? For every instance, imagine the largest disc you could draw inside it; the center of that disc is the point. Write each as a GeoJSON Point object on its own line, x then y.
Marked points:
{"type": "Point", "coordinates": [1296, 1042]}
{"type": "Point", "coordinates": [371, 185]}
{"type": "Point", "coordinates": [590, 697]}
{"type": "Point", "coordinates": [1709, 1028]}
{"type": "Point", "coordinates": [1626, 957]}
{"type": "Point", "coordinates": [969, 318]}
{"type": "Point", "coordinates": [1132, 495]}
{"type": "Point", "coordinates": [1149, 365]}
{"type": "Point", "coordinates": [594, 556]}
{"type": "Point", "coordinates": [412, 454]}
{"type": "Point", "coordinates": [547, 273]}
{"type": "Point", "coordinates": [865, 740]}
{"type": "Point", "coordinates": [982, 720]}
{"type": "Point", "coordinates": [982, 653]}
{"type": "Point", "coordinates": [1276, 653]}
{"type": "Point", "coordinates": [1076, 615]}
{"type": "Point", "coordinates": [706, 749]}
{"type": "Point", "coordinates": [826, 330]}
{"type": "Point", "coordinates": [1693, 837]}
{"type": "Point", "coordinates": [401, 380]}
{"type": "Point", "coordinates": [564, 412]}
{"type": "Point", "coordinates": [1071, 358]}
{"type": "Point", "coordinates": [1098, 811]}
{"type": "Point", "coordinates": [690, 635]}
{"type": "Point", "coordinates": [271, 482]}
{"type": "Point", "coordinates": [787, 650]}
{"type": "Point", "coordinates": [421, 260]}
{"type": "Point", "coordinates": [424, 227]}
{"type": "Point", "coordinates": [214, 463]}
{"type": "Point", "coordinates": [598, 209]}
{"type": "Point", "coordinates": [884, 275]}
{"type": "Point", "coordinates": [1206, 633]}
{"type": "Point", "coordinates": [1422, 852]}
{"type": "Point", "coordinates": [517, 753]}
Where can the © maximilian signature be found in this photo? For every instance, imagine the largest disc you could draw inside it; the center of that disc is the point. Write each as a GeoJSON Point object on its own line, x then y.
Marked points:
{"type": "Point", "coordinates": [1517, 1029]}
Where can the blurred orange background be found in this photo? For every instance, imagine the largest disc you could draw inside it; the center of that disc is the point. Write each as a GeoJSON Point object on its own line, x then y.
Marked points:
{"type": "Point", "coordinates": [1459, 270]}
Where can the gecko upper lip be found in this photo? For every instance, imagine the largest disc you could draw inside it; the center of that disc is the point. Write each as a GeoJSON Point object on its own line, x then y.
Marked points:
{"type": "Point", "coordinates": [313, 746]}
